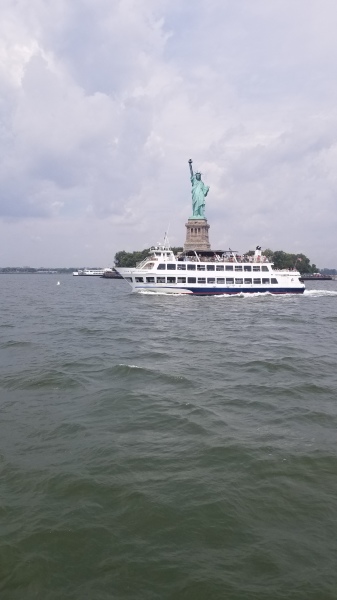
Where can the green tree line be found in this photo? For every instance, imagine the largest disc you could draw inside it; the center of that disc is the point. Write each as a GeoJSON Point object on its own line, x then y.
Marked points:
{"type": "Point", "coordinates": [286, 260]}
{"type": "Point", "coordinates": [130, 259]}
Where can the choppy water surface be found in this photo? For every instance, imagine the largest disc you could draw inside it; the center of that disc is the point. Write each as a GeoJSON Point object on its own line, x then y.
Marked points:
{"type": "Point", "coordinates": [156, 447]}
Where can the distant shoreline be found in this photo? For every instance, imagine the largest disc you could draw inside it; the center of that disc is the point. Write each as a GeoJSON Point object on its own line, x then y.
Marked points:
{"type": "Point", "coordinates": [316, 277]}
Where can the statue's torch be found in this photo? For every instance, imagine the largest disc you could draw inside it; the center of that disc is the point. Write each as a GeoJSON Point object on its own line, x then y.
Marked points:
{"type": "Point", "coordinates": [191, 170]}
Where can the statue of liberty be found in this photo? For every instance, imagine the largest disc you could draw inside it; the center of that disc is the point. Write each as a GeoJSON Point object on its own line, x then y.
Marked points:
{"type": "Point", "coordinates": [199, 193]}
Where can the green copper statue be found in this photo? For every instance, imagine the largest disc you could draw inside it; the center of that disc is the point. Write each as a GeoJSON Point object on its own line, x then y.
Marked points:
{"type": "Point", "coordinates": [199, 193]}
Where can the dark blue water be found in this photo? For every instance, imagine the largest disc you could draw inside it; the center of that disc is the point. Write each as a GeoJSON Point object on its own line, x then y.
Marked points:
{"type": "Point", "coordinates": [157, 447]}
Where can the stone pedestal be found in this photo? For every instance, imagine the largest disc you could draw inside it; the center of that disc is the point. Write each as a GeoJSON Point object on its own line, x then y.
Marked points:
{"type": "Point", "coordinates": [197, 235]}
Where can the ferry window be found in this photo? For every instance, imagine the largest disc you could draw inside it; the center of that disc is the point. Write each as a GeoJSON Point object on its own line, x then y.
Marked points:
{"type": "Point", "coordinates": [211, 280]}
{"type": "Point", "coordinates": [256, 267]}
{"type": "Point", "coordinates": [273, 280]}
{"type": "Point", "coordinates": [248, 281]}
{"type": "Point", "coordinates": [257, 281]}
{"type": "Point", "coordinates": [171, 280]}
{"type": "Point", "coordinates": [238, 267]}
{"type": "Point", "coordinates": [247, 268]}
{"type": "Point", "coordinates": [191, 280]}
{"type": "Point", "coordinates": [229, 267]}
{"type": "Point", "coordinates": [181, 267]}
{"type": "Point", "coordinates": [181, 279]}
{"type": "Point", "coordinates": [220, 268]}
{"type": "Point", "coordinates": [210, 267]}
{"type": "Point", "coordinates": [264, 280]}
{"type": "Point", "coordinates": [191, 267]}
{"type": "Point", "coordinates": [150, 280]}
{"type": "Point", "coordinates": [171, 267]}
{"type": "Point", "coordinates": [128, 279]}
{"type": "Point", "coordinates": [264, 268]}
{"type": "Point", "coordinates": [220, 280]}
{"type": "Point", "coordinates": [161, 267]}
{"type": "Point", "coordinates": [139, 280]}
{"type": "Point", "coordinates": [160, 279]}
{"type": "Point", "coordinates": [238, 280]}
{"type": "Point", "coordinates": [201, 280]}
{"type": "Point", "coordinates": [229, 280]}
{"type": "Point", "coordinates": [201, 267]}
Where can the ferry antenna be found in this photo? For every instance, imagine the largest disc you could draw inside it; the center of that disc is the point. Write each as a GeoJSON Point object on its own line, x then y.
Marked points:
{"type": "Point", "coordinates": [166, 240]}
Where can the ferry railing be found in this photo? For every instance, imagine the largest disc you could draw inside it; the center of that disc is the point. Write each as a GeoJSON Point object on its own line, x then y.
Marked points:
{"type": "Point", "coordinates": [142, 263]}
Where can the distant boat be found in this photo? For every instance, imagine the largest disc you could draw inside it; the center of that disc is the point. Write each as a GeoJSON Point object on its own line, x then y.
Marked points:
{"type": "Point", "coordinates": [315, 277]}
{"type": "Point", "coordinates": [91, 272]}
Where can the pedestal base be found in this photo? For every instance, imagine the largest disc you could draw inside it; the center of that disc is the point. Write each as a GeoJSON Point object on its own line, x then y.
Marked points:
{"type": "Point", "coordinates": [197, 235]}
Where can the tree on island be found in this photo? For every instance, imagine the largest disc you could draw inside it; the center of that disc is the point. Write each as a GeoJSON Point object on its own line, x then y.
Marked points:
{"type": "Point", "coordinates": [130, 259]}
{"type": "Point", "coordinates": [286, 260]}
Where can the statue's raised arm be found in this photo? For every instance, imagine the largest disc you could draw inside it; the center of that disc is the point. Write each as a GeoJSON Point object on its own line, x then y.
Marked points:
{"type": "Point", "coordinates": [199, 193]}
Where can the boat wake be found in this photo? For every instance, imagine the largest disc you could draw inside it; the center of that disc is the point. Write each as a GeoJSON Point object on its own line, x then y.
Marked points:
{"type": "Point", "coordinates": [319, 293]}
{"type": "Point", "coordinates": [306, 294]}
{"type": "Point", "coordinates": [249, 295]}
{"type": "Point", "coordinates": [233, 295]}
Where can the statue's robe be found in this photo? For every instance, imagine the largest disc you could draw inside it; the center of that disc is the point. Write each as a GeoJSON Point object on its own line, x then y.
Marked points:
{"type": "Point", "coordinates": [199, 192]}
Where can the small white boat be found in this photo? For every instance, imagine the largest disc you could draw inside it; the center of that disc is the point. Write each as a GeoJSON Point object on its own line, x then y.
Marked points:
{"type": "Point", "coordinates": [91, 272]}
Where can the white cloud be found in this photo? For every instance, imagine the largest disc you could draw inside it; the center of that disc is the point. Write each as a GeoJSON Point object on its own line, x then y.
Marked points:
{"type": "Point", "coordinates": [103, 103]}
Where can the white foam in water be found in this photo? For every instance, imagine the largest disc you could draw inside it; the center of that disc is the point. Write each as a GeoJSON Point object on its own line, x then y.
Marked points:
{"type": "Point", "coordinates": [149, 293]}
{"type": "Point", "coordinates": [317, 293]}
{"type": "Point", "coordinates": [248, 295]}
{"type": "Point", "coordinates": [312, 293]}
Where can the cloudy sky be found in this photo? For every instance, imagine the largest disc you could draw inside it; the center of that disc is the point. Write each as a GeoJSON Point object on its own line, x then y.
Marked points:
{"type": "Point", "coordinates": [102, 103]}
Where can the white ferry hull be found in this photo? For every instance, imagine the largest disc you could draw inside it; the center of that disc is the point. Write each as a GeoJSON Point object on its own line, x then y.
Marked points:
{"type": "Point", "coordinates": [218, 291]}
{"type": "Point", "coordinates": [282, 287]}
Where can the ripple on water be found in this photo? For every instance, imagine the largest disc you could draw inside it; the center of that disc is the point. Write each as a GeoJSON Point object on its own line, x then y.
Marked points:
{"type": "Point", "coordinates": [15, 344]}
{"type": "Point", "coordinates": [166, 447]}
{"type": "Point", "coordinates": [54, 379]}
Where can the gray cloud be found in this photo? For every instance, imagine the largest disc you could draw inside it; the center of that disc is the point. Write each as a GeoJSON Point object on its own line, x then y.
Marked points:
{"type": "Point", "coordinates": [103, 103]}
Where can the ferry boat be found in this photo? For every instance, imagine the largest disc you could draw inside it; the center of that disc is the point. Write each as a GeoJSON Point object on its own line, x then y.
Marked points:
{"type": "Point", "coordinates": [209, 272]}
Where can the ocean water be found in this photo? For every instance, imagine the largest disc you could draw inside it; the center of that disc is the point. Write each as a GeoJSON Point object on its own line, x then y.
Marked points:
{"type": "Point", "coordinates": [157, 447]}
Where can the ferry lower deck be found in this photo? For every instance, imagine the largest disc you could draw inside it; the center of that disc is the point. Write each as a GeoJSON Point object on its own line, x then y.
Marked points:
{"type": "Point", "coordinates": [265, 281]}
